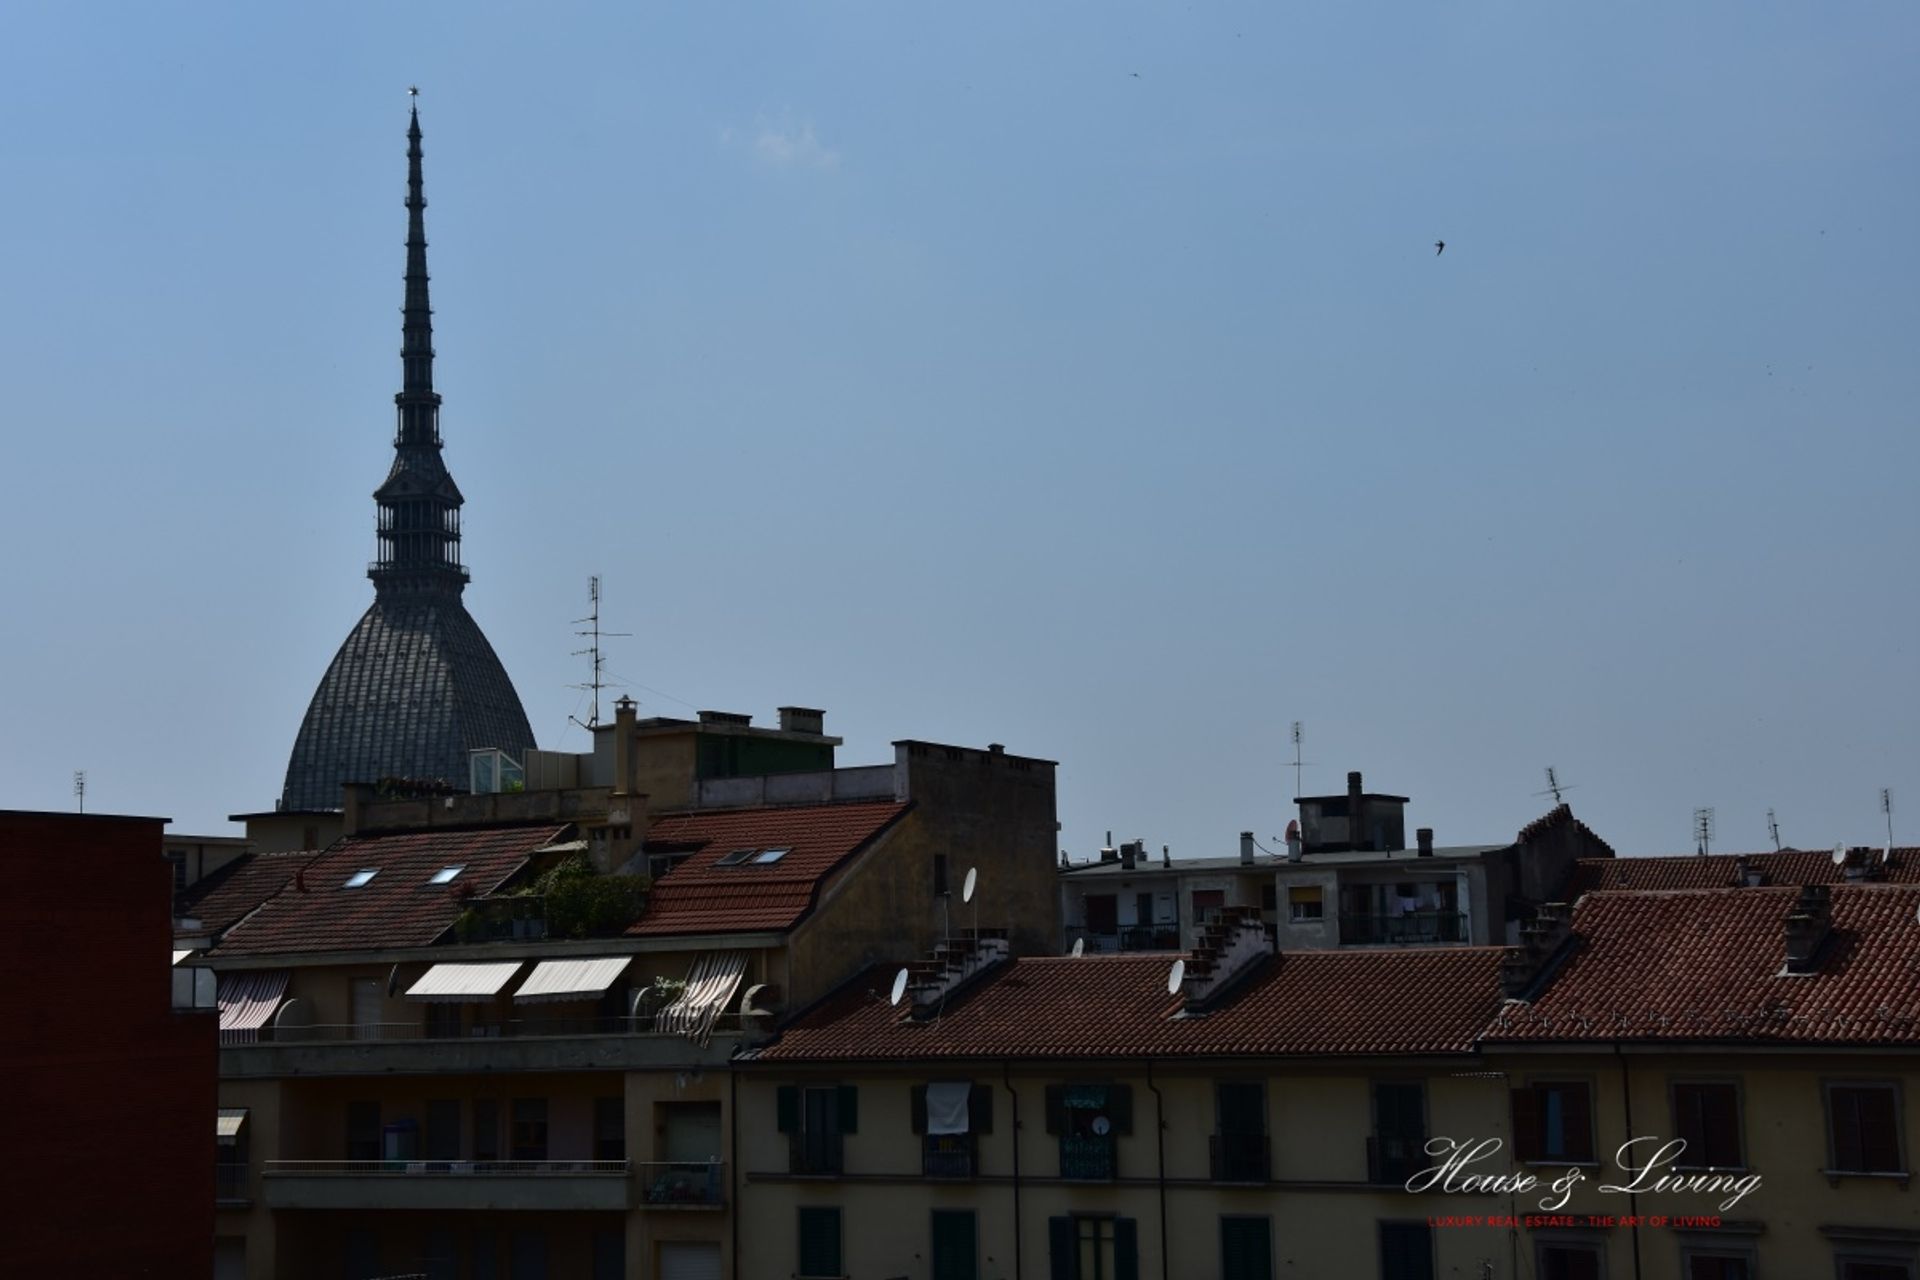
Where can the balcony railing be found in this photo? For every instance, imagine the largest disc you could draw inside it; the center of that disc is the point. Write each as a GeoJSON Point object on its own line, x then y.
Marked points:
{"type": "Point", "coordinates": [1090, 1157]}
{"type": "Point", "coordinates": [1141, 937]}
{"type": "Point", "coordinates": [947, 1155]}
{"type": "Point", "coordinates": [231, 1184]}
{"type": "Point", "coordinates": [1413, 929]}
{"type": "Point", "coordinates": [1393, 1158]}
{"type": "Point", "coordinates": [1240, 1157]}
{"type": "Point", "coordinates": [682, 1184]}
{"type": "Point", "coordinates": [514, 1028]}
{"type": "Point", "coordinates": [446, 1168]}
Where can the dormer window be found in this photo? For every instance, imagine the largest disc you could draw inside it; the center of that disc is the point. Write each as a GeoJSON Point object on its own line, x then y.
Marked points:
{"type": "Point", "coordinates": [445, 875]}
{"type": "Point", "coordinates": [360, 878]}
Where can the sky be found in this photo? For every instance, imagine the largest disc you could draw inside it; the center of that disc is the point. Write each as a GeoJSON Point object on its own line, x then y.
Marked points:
{"type": "Point", "coordinates": [1080, 377]}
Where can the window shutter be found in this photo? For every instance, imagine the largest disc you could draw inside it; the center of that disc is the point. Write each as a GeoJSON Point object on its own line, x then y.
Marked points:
{"type": "Point", "coordinates": [917, 1109]}
{"type": "Point", "coordinates": [820, 1242]}
{"type": "Point", "coordinates": [980, 1109]}
{"type": "Point", "coordinates": [1577, 1115]}
{"type": "Point", "coordinates": [1056, 1108]}
{"type": "Point", "coordinates": [1844, 1120]}
{"type": "Point", "coordinates": [1879, 1140]}
{"type": "Point", "coordinates": [1126, 1250]}
{"type": "Point", "coordinates": [1246, 1249]}
{"type": "Point", "coordinates": [1120, 1107]}
{"type": "Point", "coordinates": [848, 1108]}
{"type": "Point", "coordinates": [789, 1108]}
{"type": "Point", "coordinates": [1526, 1123]}
{"type": "Point", "coordinates": [1060, 1250]}
{"type": "Point", "coordinates": [1689, 1123]}
{"type": "Point", "coordinates": [1720, 1125]}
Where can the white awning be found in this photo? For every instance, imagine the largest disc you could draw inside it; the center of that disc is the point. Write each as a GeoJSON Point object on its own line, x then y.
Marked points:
{"type": "Point", "coordinates": [711, 984]}
{"type": "Point", "coordinates": [227, 1127]}
{"type": "Point", "coordinates": [463, 983]}
{"type": "Point", "coordinates": [178, 955]}
{"type": "Point", "coordinates": [556, 980]}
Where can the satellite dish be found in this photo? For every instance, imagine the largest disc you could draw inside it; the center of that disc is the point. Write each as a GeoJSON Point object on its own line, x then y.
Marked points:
{"type": "Point", "coordinates": [899, 987]}
{"type": "Point", "coordinates": [972, 882]}
{"type": "Point", "coordinates": [1176, 976]}
{"type": "Point", "coordinates": [1916, 915]}
{"type": "Point", "coordinates": [1079, 948]}
{"type": "Point", "coordinates": [1839, 854]}
{"type": "Point", "coordinates": [1886, 855]}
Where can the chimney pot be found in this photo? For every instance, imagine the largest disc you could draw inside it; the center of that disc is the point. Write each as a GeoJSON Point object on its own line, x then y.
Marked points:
{"type": "Point", "coordinates": [1246, 848]}
{"type": "Point", "coordinates": [1425, 836]}
{"type": "Point", "coordinates": [802, 720]}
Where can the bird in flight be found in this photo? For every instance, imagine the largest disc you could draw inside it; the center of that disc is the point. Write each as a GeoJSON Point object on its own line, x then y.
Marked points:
{"type": "Point", "coordinates": [1439, 247]}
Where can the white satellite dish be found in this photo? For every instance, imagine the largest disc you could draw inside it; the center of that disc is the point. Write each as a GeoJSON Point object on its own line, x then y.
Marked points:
{"type": "Point", "coordinates": [1839, 854]}
{"type": "Point", "coordinates": [1916, 915]}
{"type": "Point", "coordinates": [899, 987]}
{"type": "Point", "coordinates": [972, 882]}
{"type": "Point", "coordinates": [1079, 948]}
{"type": "Point", "coordinates": [1176, 976]}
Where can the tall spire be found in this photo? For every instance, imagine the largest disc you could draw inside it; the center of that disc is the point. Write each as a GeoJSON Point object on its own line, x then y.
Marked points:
{"type": "Point", "coordinates": [419, 524]}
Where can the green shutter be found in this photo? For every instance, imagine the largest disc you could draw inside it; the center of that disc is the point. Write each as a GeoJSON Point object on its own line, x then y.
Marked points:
{"type": "Point", "coordinates": [1056, 1108]}
{"type": "Point", "coordinates": [848, 1108]}
{"type": "Point", "coordinates": [980, 1109]}
{"type": "Point", "coordinates": [953, 1245]}
{"type": "Point", "coordinates": [1060, 1246]}
{"type": "Point", "coordinates": [1246, 1249]}
{"type": "Point", "coordinates": [820, 1242]}
{"type": "Point", "coordinates": [1406, 1251]}
{"type": "Point", "coordinates": [1126, 1250]}
{"type": "Point", "coordinates": [1526, 1123]}
{"type": "Point", "coordinates": [789, 1108]}
{"type": "Point", "coordinates": [1120, 1107]}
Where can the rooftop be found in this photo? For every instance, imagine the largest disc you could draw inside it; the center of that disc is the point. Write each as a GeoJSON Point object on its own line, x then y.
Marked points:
{"type": "Point", "coordinates": [225, 897]}
{"type": "Point", "coordinates": [1720, 870]}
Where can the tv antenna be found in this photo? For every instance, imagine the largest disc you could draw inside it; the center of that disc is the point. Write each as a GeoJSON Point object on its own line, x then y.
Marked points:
{"type": "Point", "coordinates": [1886, 807]}
{"type": "Point", "coordinates": [592, 635]}
{"type": "Point", "coordinates": [1555, 787]}
{"type": "Point", "coordinates": [1297, 761]}
{"type": "Point", "coordinates": [1703, 831]}
{"type": "Point", "coordinates": [1773, 829]}
{"type": "Point", "coordinates": [80, 788]}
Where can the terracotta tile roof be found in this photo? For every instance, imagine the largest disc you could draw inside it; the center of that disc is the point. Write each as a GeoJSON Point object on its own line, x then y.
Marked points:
{"type": "Point", "coordinates": [1706, 965]}
{"type": "Point", "coordinates": [699, 897]}
{"type": "Point", "coordinates": [397, 908]}
{"type": "Point", "coordinates": [1717, 871]}
{"type": "Point", "coordinates": [1305, 1002]}
{"type": "Point", "coordinates": [224, 898]}
{"type": "Point", "coordinates": [1559, 815]}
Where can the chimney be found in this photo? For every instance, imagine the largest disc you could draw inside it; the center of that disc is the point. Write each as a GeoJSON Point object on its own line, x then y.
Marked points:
{"type": "Point", "coordinates": [1246, 848]}
{"type": "Point", "coordinates": [1166, 855]}
{"type": "Point", "coordinates": [1227, 950]}
{"type": "Point", "coordinates": [802, 720]}
{"type": "Point", "coordinates": [1808, 926]}
{"type": "Point", "coordinates": [1357, 834]}
{"type": "Point", "coordinates": [623, 746]}
{"type": "Point", "coordinates": [725, 717]}
{"type": "Point", "coordinates": [1425, 838]}
{"type": "Point", "coordinates": [1745, 874]}
{"type": "Point", "coordinates": [1541, 941]}
{"type": "Point", "coordinates": [1129, 854]}
{"type": "Point", "coordinates": [1862, 864]}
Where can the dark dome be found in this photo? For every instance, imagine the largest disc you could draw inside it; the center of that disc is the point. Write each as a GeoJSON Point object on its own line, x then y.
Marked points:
{"type": "Point", "coordinates": [414, 688]}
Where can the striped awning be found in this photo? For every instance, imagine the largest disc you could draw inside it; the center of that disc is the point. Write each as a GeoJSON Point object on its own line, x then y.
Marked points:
{"type": "Point", "coordinates": [710, 986]}
{"type": "Point", "coordinates": [464, 983]}
{"type": "Point", "coordinates": [226, 1129]}
{"type": "Point", "coordinates": [557, 980]}
{"type": "Point", "coordinates": [247, 999]}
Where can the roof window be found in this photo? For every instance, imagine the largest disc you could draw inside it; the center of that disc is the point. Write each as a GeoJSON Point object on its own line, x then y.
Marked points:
{"type": "Point", "coordinates": [771, 855]}
{"type": "Point", "coordinates": [359, 879]}
{"type": "Point", "coordinates": [735, 858]}
{"type": "Point", "coordinates": [445, 875]}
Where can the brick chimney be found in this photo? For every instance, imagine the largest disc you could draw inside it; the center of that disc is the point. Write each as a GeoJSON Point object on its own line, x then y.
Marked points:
{"type": "Point", "coordinates": [1807, 927]}
{"type": "Point", "coordinates": [802, 720]}
{"type": "Point", "coordinates": [1424, 837]}
{"type": "Point", "coordinates": [1863, 863]}
{"type": "Point", "coordinates": [1541, 941]}
{"type": "Point", "coordinates": [1229, 947]}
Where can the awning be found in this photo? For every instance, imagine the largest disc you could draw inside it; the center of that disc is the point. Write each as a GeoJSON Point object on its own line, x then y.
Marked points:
{"type": "Point", "coordinates": [227, 1128]}
{"type": "Point", "coordinates": [178, 955]}
{"type": "Point", "coordinates": [710, 985]}
{"type": "Point", "coordinates": [247, 999]}
{"type": "Point", "coordinates": [947, 1106]}
{"type": "Point", "coordinates": [556, 980]}
{"type": "Point", "coordinates": [463, 983]}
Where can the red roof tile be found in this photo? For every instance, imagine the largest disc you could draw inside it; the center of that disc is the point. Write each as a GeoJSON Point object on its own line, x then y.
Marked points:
{"type": "Point", "coordinates": [699, 897]}
{"type": "Point", "coordinates": [1304, 1002]}
{"type": "Point", "coordinates": [397, 908]}
{"type": "Point", "coordinates": [1558, 816]}
{"type": "Point", "coordinates": [1707, 965]}
{"type": "Point", "coordinates": [1717, 871]}
{"type": "Point", "coordinates": [224, 898]}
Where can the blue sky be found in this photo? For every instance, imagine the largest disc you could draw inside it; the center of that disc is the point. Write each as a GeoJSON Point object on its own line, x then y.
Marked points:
{"type": "Point", "coordinates": [1079, 377]}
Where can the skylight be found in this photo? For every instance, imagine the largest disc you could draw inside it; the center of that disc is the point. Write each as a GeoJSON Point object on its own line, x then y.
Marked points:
{"type": "Point", "coordinates": [445, 875]}
{"type": "Point", "coordinates": [735, 858]}
{"type": "Point", "coordinates": [359, 879]}
{"type": "Point", "coordinates": [770, 855]}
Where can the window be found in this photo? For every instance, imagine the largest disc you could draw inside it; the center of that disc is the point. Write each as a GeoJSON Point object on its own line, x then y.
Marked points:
{"type": "Point", "coordinates": [360, 878]}
{"type": "Point", "coordinates": [363, 1131]}
{"type": "Point", "coordinates": [1564, 1261]}
{"type": "Point", "coordinates": [1087, 1118]}
{"type": "Point", "coordinates": [819, 1242]}
{"type": "Point", "coordinates": [1406, 1251]}
{"type": "Point", "coordinates": [1397, 1149]}
{"type": "Point", "coordinates": [1863, 1128]}
{"type": "Point", "coordinates": [609, 1255]}
{"type": "Point", "coordinates": [1207, 902]}
{"type": "Point", "coordinates": [443, 1129]}
{"type": "Point", "coordinates": [1240, 1152]}
{"type": "Point", "coordinates": [529, 1129]}
{"type": "Point", "coordinates": [486, 1129]}
{"type": "Point", "coordinates": [1305, 903]}
{"type": "Point", "coordinates": [1718, 1265]}
{"type": "Point", "coordinates": [179, 861]}
{"type": "Point", "coordinates": [528, 1259]}
{"type": "Point", "coordinates": [1706, 1116]}
{"type": "Point", "coordinates": [1246, 1249]}
{"type": "Point", "coordinates": [1085, 1247]}
{"type": "Point", "coordinates": [445, 875]}
{"type": "Point", "coordinates": [950, 1115]}
{"type": "Point", "coordinates": [443, 1020]}
{"type": "Point", "coordinates": [815, 1120]}
{"type": "Point", "coordinates": [609, 1128]}
{"type": "Point", "coordinates": [955, 1245]}
{"type": "Point", "coordinates": [734, 858]}
{"type": "Point", "coordinates": [1103, 913]}
{"type": "Point", "coordinates": [1875, 1269]}
{"type": "Point", "coordinates": [940, 875]}
{"type": "Point", "coordinates": [765, 856]}
{"type": "Point", "coordinates": [1553, 1122]}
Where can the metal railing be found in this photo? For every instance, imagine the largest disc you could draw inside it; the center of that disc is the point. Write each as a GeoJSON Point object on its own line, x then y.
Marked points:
{"type": "Point", "coordinates": [230, 1183]}
{"type": "Point", "coordinates": [687, 1183]}
{"type": "Point", "coordinates": [1145, 937]}
{"type": "Point", "coordinates": [1412, 929]}
{"type": "Point", "coordinates": [1393, 1158]}
{"type": "Point", "coordinates": [446, 1168]}
{"type": "Point", "coordinates": [948, 1155]}
{"type": "Point", "coordinates": [511, 1029]}
{"type": "Point", "coordinates": [1089, 1158]}
{"type": "Point", "coordinates": [1240, 1157]}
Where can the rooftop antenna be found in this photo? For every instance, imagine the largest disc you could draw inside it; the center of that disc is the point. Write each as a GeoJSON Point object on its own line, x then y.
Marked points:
{"type": "Point", "coordinates": [592, 635]}
{"type": "Point", "coordinates": [1703, 831]}
{"type": "Point", "coordinates": [1886, 807]}
{"type": "Point", "coordinates": [1296, 758]}
{"type": "Point", "coordinates": [1555, 787]}
{"type": "Point", "coordinates": [80, 788]}
{"type": "Point", "coordinates": [1773, 829]}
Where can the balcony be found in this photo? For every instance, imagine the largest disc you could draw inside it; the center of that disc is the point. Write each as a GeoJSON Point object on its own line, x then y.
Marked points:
{"type": "Point", "coordinates": [1416, 928]}
{"type": "Point", "coordinates": [948, 1155]}
{"type": "Point", "coordinates": [1393, 1158]}
{"type": "Point", "coordinates": [1240, 1157]}
{"type": "Point", "coordinates": [448, 1184]}
{"type": "Point", "coordinates": [529, 1044]}
{"type": "Point", "coordinates": [682, 1185]}
{"type": "Point", "coordinates": [1088, 1158]}
{"type": "Point", "coordinates": [1137, 937]}
{"type": "Point", "coordinates": [232, 1188]}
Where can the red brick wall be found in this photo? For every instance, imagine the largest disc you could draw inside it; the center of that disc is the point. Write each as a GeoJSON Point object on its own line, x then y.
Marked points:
{"type": "Point", "coordinates": [110, 1094]}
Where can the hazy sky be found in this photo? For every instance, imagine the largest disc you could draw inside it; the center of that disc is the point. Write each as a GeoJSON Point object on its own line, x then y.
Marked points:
{"type": "Point", "coordinates": [1079, 377]}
